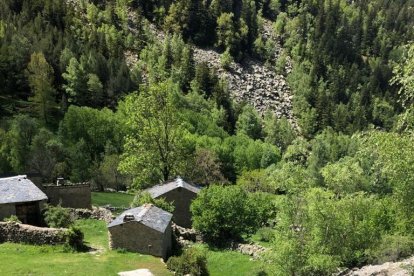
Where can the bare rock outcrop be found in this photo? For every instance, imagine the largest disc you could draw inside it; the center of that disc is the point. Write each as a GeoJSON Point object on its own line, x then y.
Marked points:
{"type": "Point", "coordinates": [253, 82]}
{"type": "Point", "coordinates": [402, 268]}
{"type": "Point", "coordinates": [250, 81]}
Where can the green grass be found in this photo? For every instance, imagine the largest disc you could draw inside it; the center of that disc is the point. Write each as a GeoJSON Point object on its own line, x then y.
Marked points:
{"type": "Point", "coordinates": [20, 259]}
{"type": "Point", "coordinates": [113, 199]}
{"type": "Point", "coordinates": [231, 263]}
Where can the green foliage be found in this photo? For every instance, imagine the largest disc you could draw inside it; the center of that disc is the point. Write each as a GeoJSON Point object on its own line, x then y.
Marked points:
{"type": "Point", "coordinates": [392, 248]}
{"type": "Point", "coordinates": [74, 239]}
{"type": "Point", "coordinates": [153, 150]}
{"type": "Point", "coordinates": [389, 152]}
{"type": "Point", "coordinates": [193, 261]}
{"type": "Point", "coordinates": [403, 75]}
{"type": "Point", "coordinates": [58, 217]}
{"type": "Point", "coordinates": [278, 132]}
{"type": "Point", "coordinates": [12, 218]}
{"type": "Point", "coordinates": [142, 198]}
{"type": "Point", "coordinates": [315, 227]}
{"type": "Point", "coordinates": [249, 123]}
{"type": "Point", "coordinates": [221, 213]}
{"type": "Point", "coordinates": [266, 234]}
{"type": "Point", "coordinates": [345, 177]}
{"type": "Point", "coordinates": [256, 181]}
{"type": "Point", "coordinates": [226, 59]}
{"type": "Point", "coordinates": [40, 77]}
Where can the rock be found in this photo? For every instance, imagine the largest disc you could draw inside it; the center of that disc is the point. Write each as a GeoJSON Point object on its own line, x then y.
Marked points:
{"type": "Point", "coordinates": [138, 272]}
{"type": "Point", "coordinates": [402, 268]}
{"type": "Point", "coordinates": [250, 81]}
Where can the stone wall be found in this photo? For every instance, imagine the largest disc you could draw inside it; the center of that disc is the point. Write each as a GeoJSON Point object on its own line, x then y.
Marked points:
{"type": "Point", "coordinates": [181, 199]}
{"type": "Point", "coordinates": [23, 233]}
{"type": "Point", "coordinates": [6, 210]}
{"type": "Point", "coordinates": [96, 213]}
{"type": "Point", "coordinates": [135, 237]}
{"type": "Point", "coordinates": [70, 196]}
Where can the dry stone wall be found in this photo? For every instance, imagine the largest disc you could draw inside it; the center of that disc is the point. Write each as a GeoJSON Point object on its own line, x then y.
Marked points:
{"type": "Point", "coordinates": [23, 233]}
{"type": "Point", "coordinates": [96, 213]}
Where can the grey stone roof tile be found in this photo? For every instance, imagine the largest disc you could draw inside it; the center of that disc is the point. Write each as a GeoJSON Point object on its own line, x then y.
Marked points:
{"type": "Point", "coordinates": [147, 214]}
{"type": "Point", "coordinates": [18, 189]}
{"type": "Point", "coordinates": [161, 189]}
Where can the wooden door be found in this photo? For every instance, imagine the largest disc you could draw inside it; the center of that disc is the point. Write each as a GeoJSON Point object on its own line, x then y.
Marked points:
{"type": "Point", "coordinates": [28, 213]}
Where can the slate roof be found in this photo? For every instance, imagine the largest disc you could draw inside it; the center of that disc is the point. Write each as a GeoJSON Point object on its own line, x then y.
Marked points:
{"type": "Point", "coordinates": [147, 214]}
{"type": "Point", "coordinates": [161, 189]}
{"type": "Point", "coordinates": [18, 189]}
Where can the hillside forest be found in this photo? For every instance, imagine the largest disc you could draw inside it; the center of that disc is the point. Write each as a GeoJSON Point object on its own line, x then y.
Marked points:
{"type": "Point", "coordinates": [109, 92]}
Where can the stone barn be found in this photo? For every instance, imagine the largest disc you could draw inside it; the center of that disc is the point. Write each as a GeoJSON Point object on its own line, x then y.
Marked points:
{"type": "Point", "coordinates": [145, 229]}
{"type": "Point", "coordinates": [21, 197]}
{"type": "Point", "coordinates": [181, 194]}
{"type": "Point", "coordinates": [69, 195]}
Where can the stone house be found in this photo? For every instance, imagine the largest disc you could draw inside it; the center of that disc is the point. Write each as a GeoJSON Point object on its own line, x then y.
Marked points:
{"type": "Point", "coordinates": [69, 195]}
{"type": "Point", "coordinates": [21, 197]}
{"type": "Point", "coordinates": [180, 194]}
{"type": "Point", "coordinates": [145, 229]}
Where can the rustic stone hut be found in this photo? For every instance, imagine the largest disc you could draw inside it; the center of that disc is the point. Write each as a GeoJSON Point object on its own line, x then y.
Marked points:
{"type": "Point", "coordinates": [69, 195]}
{"type": "Point", "coordinates": [181, 194]}
{"type": "Point", "coordinates": [145, 229]}
{"type": "Point", "coordinates": [21, 197]}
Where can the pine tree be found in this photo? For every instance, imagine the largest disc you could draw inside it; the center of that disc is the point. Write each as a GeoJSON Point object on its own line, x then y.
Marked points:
{"type": "Point", "coordinates": [40, 77]}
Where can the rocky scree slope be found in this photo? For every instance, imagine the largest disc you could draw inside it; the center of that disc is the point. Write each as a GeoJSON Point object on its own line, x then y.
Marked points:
{"type": "Point", "coordinates": [251, 81]}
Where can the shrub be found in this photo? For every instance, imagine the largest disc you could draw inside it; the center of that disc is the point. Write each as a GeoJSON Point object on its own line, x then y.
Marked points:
{"type": "Point", "coordinates": [391, 249]}
{"type": "Point", "coordinates": [74, 239]}
{"type": "Point", "coordinates": [58, 217]}
{"type": "Point", "coordinates": [12, 218]}
{"type": "Point", "coordinates": [266, 234]}
{"type": "Point", "coordinates": [226, 59]}
{"type": "Point", "coordinates": [142, 198]}
{"type": "Point", "coordinates": [193, 261]}
{"type": "Point", "coordinates": [223, 213]}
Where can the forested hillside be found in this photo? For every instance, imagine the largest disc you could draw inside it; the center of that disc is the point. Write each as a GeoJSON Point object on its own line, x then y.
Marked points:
{"type": "Point", "coordinates": [112, 92]}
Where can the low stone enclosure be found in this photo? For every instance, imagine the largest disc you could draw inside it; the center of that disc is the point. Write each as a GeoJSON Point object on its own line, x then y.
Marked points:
{"type": "Point", "coordinates": [24, 233]}
{"type": "Point", "coordinates": [186, 237]}
{"type": "Point", "coordinates": [94, 213]}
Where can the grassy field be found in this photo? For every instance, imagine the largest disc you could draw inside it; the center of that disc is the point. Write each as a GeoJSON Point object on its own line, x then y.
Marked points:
{"type": "Point", "coordinates": [113, 199]}
{"type": "Point", "coordinates": [22, 259]}
{"type": "Point", "coordinates": [231, 263]}
{"type": "Point", "coordinates": [53, 260]}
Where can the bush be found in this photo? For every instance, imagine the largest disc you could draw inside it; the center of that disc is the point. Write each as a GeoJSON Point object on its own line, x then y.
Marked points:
{"type": "Point", "coordinates": [193, 261]}
{"type": "Point", "coordinates": [74, 239]}
{"type": "Point", "coordinates": [12, 218]}
{"type": "Point", "coordinates": [142, 198]}
{"type": "Point", "coordinates": [225, 213]}
{"type": "Point", "coordinates": [391, 249]}
{"type": "Point", "coordinates": [226, 59]}
{"type": "Point", "coordinates": [266, 234]}
{"type": "Point", "coordinates": [58, 217]}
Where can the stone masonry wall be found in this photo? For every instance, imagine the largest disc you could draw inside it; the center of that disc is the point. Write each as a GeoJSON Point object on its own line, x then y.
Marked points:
{"type": "Point", "coordinates": [135, 237]}
{"type": "Point", "coordinates": [181, 199]}
{"type": "Point", "coordinates": [6, 210]}
{"type": "Point", "coordinates": [70, 196]}
{"type": "Point", "coordinates": [23, 233]}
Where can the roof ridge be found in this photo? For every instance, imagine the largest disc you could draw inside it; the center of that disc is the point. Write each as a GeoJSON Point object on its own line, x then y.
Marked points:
{"type": "Point", "coordinates": [144, 211]}
{"type": "Point", "coordinates": [14, 177]}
